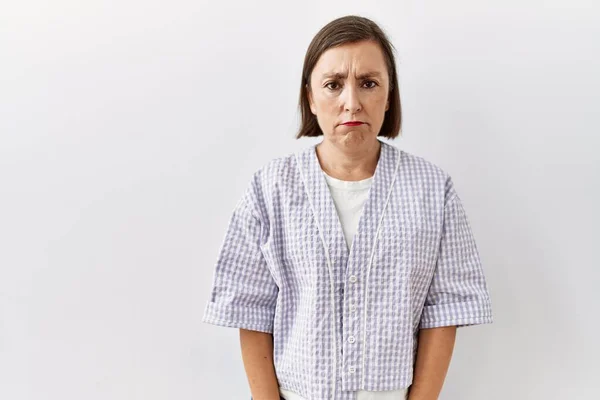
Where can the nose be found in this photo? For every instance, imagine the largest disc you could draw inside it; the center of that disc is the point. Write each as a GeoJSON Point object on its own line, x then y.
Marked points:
{"type": "Point", "coordinates": [351, 100]}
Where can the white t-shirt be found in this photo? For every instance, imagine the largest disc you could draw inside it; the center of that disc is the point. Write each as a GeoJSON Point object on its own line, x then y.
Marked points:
{"type": "Point", "coordinates": [349, 198]}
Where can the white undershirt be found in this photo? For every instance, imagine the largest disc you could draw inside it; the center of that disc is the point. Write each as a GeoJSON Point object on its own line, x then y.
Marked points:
{"type": "Point", "coordinates": [349, 198]}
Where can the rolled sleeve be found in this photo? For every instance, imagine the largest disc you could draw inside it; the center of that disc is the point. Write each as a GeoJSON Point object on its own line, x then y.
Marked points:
{"type": "Point", "coordinates": [243, 294]}
{"type": "Point", "coordinates": [458, 293]}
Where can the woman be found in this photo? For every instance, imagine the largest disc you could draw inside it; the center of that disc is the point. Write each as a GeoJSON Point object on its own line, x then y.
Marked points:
{"type": "Point", "coordinates": [349, 265]}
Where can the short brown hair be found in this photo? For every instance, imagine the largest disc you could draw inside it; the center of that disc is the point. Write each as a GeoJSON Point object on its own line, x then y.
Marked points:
{"type": "Point", "coordinates": [349, 29]}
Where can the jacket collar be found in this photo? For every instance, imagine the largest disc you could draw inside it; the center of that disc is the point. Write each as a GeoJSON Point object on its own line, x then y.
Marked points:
{"type": "Point", "coordinates": [326, 214]}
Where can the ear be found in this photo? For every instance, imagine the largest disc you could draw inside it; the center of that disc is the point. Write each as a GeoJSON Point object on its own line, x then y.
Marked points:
{"type": "Point", "coordinates": [387, 105]}
{"type": "Point", "coordinates": [310, 100]}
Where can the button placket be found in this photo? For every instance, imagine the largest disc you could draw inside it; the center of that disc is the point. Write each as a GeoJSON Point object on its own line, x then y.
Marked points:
{"type": "Point", "coordinates": [352, 324]}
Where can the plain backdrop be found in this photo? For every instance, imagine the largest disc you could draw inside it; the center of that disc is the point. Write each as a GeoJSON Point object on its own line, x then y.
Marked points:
{"type": "Point", "coordinates": [129, 129]}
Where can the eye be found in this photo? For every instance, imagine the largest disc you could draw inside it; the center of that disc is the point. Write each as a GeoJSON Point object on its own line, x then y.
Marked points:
{"type": "Point", "coordinates": [371, 84]}
{"type": "Point", "coordinates": [335, 84]}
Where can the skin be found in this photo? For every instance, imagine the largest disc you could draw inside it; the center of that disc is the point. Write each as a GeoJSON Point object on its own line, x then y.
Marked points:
{"type": "Point", "coordinates": [360, 92]}
{"type": "Point", "coordinates": [434, 353]}
{"type": "Point", "coordinates": [257, 356]}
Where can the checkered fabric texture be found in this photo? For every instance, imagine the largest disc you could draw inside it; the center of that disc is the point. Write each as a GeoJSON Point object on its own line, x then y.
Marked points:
{"type": "Point", "coordinates": [348, 319]}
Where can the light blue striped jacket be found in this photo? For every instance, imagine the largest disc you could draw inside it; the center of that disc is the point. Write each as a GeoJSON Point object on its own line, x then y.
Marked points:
{"type": "Point", "coordinates": [348, 319]}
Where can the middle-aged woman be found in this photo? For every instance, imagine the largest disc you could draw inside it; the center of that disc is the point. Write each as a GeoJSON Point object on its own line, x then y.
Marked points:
{"type": "Point", "coordinates": [349, 265]}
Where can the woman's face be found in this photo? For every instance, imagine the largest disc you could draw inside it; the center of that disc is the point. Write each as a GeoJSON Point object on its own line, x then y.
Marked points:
{"type": "Point", "coordinates": [350, 83]}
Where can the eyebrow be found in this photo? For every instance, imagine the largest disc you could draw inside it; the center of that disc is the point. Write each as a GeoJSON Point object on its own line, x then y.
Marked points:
{"type": "Point", "coordinates": [339, 75]}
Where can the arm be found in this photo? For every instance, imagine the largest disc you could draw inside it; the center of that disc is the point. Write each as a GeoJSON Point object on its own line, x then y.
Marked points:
{"type": "Point", "coordinates": [257, 354]}
{"type": "Point", "coordinates": [457, 297]}
{"type": "Point", "coordinates": [433, 359]}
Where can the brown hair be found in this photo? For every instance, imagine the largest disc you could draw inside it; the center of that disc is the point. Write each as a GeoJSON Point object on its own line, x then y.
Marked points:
{"type": "Point", "coordinates": [349, 29]}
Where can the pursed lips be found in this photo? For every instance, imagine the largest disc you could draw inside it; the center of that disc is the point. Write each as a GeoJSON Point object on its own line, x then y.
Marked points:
{"type": "Point", "coordinates": [353, 123]}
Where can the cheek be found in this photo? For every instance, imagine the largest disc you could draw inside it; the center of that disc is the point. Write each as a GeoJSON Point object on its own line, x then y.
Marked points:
{"type": "Point", "coordinates": [378, 103]}
{"type": "Point", "coordinates": [325, 104]}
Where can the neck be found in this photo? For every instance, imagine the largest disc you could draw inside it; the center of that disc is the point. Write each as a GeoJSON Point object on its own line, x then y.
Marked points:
{"type": "Point", "coordinates": [349, 164]}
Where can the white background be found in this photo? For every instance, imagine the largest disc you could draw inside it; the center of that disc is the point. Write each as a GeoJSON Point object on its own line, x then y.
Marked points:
{"type": "Point", "coordinates": [129, 130]}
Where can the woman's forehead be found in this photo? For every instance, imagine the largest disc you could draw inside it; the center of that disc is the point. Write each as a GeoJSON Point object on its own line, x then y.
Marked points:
{"type": "Point", "coordinates": [362, 59]}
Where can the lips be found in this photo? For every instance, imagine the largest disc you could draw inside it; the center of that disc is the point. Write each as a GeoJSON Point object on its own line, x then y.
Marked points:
{"type": "Point", "coordinates": [353, 123]}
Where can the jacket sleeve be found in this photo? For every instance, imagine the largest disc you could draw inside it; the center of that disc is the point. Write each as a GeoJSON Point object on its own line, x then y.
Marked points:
{"type": "Point", "coordinates": [243, 294]}
{"type": "Point", "coordinates": [458, 293]}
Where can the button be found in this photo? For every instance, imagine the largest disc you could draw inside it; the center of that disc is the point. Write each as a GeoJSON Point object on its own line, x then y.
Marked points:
{"type": "Point", "coordinates": [351, 339]}
{"type": "Point", "coordinates": [352, 307]}
{"type": "Point", "coordinates": [351, 370]}
{"type": "Point", "coordinates": [353, 278]}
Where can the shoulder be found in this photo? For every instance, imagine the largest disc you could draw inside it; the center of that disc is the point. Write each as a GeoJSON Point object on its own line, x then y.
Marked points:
{"type": "Point", "coordinates": [272, 172]}
{"type": "Point", "coordinates": [273, 176]}
{"type": "Point", "coordinates": [420, 166]}
{"type": "Point", "coordinates": [425, 174]}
